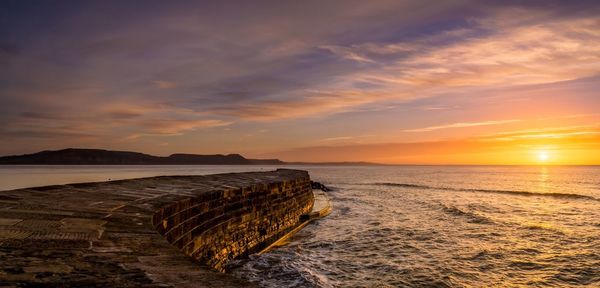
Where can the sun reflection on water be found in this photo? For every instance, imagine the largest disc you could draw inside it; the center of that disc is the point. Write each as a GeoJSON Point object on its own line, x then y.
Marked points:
{"type": "Point", "coordinates": [544, 179]}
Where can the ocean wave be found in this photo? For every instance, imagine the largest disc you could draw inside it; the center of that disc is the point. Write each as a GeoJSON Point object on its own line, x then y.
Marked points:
{"type": "Point", "coordinates": [280, 269]}
{"type": "Point", "coordinates": [472, 217]}
{"type": "Point", "coordinates": [486, 255]}
{"type": "Point", "coordinates": [544, 227]}
{"type": "Point", "coordinates": [510, 192]}
{"type": "Point", "coordinates": [527, 265]}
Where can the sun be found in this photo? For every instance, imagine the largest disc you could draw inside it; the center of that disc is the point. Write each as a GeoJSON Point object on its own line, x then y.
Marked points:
{"type": "Point", "coordinates": [543, 156]}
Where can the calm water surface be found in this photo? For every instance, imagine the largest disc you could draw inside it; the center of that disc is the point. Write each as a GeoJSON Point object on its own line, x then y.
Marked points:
{"type": "Point", "coordinates": [417, 226]}
{"type": "Point", "coordinates": [22, 176]}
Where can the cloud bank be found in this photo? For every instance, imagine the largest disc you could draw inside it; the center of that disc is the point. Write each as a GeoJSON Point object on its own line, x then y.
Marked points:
{"type": "Point", "coordinates": [70, 76]}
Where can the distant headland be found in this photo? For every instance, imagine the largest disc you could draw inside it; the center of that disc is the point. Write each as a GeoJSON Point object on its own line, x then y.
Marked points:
{"type": "Point", "coordinates": [76, 156]}
{"type": "Point", "coordinates": [73, 156]}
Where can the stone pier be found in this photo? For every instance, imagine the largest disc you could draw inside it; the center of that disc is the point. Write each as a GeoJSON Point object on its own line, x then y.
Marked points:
{"type": "Point", "coordinates": [168, 231]}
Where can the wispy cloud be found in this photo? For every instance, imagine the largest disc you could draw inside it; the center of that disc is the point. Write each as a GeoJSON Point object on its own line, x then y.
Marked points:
{"type": "Point", "coordinates": [462, 125]}
{"type": "Point", "coordinates": [533, 49]}
{"type": "Point", "coordinates": [347, 53]}
{"type": "Point", "coordinates": [172, 69]}
{"type": "Point", "coordinates": [560, 132]}
{"type": "Point", "coordinates": [170, 127]}
{"type": "Point", "coordinates": [313, 103]}
{"type": "Point", "coordinates": [164, 84]}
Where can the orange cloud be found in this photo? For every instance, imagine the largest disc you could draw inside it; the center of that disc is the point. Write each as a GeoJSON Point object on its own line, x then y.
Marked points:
{"type": "Point", "coordinates": [462, 125]}
{"type": "Point", "coordinates": [318, 103]}
{"type": "Point", "coordinates": [171, 127]}
{"type": "Point", "coordinates": [164, 84]}
{"type": "Point", "coordinates": [531, 49]}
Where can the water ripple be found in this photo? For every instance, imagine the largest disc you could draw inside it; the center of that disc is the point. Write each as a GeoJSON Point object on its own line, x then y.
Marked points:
{"type": "Point", "coordinates": [510, 192]}
{"type": "Point", "coordinates": [380, 235]}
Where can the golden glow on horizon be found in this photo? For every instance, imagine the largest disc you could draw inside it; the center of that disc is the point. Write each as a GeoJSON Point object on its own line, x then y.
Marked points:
{"type": "Point", "coordinates": [563, 145]}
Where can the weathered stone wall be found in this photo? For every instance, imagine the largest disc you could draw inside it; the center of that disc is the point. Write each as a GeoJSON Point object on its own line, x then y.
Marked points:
{"type": "Point", "coordinates": [104, 234]}
{"type": "Point", "coordinates": [217, 226]}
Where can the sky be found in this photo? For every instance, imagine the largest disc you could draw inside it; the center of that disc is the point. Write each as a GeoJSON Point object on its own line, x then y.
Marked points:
{"type": "Point", "coordinates": [403, 82]}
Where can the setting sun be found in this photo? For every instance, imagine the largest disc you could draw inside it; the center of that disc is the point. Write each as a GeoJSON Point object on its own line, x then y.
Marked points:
{"type": "Point", "coordinates": [543, 156]}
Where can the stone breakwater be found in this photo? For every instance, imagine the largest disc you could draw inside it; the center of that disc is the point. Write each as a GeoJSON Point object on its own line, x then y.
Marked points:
{"type": "Point", "coordinates": [168, 231]}
{"type": "Point", "coordinates": [224, 224]}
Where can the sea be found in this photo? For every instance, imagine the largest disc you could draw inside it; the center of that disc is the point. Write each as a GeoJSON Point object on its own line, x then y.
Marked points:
{"type": "Point", "coordinates": [415, 226]}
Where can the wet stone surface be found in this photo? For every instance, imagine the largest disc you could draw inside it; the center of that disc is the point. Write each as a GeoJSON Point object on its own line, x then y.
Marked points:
{"type": "Point", "coordinates": [105, 234]}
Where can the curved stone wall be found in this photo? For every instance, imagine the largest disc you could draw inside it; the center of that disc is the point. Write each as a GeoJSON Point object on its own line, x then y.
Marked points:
{"type": "Point", "coordinates": [240, 218]}
{"type": "Point", "coordinates": [104, 234]}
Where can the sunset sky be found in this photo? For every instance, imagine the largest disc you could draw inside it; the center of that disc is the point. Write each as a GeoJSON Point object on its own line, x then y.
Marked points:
{"type": "Point", "coordinates": [412, 82]}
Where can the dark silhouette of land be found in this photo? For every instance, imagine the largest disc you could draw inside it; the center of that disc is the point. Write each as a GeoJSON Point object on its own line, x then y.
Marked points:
{"type": "Point", "coordinates": [72, 156]}
{"type": "Point", "coordinates": [75, 156]}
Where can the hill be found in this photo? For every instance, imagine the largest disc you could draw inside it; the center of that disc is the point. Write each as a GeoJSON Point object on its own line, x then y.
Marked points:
{"type": "Point", "coordinates": [73, 156]}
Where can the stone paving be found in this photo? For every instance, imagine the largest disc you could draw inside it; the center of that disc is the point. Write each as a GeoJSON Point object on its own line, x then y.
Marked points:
{"type": "Point", "coordinates": [101, 235]}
